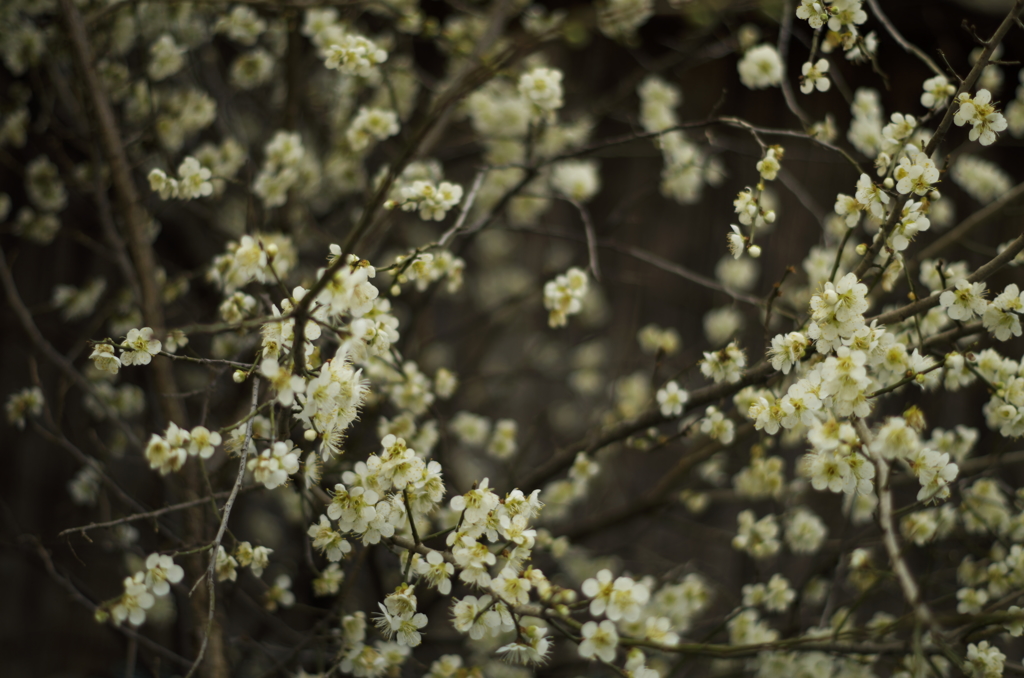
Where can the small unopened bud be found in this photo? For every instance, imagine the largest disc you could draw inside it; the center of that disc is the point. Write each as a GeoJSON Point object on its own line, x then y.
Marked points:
{"type": "Point", "coordinates": [888, 183]}
{"type": "Point", "coordinates": [390, 205]}
{"type": "Point", "coordinates": [309, 435]}
{"type": "Point", "coordinates": [934, 194]}
{"type": "Point", "coordinates": [754, 251]}
{"type": "Point", "coordinates": [238, 376]}
{"type": "Point", "coordinates": [862, 249]}
{"type": "Point", "coordinates": [272, 250]}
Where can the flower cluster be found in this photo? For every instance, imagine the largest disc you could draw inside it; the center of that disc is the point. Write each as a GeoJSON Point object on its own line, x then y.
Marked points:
{"type": "Point", "coordinates": [354, 55]}
{"type": "Point", "coordinates": [430, 200]}
{"type": "Point", "coordinates": [193, 181]}
{"type": "Point", "coordinates": [141, 590]}
{"type": "Point", "coordinates": [564, 295]}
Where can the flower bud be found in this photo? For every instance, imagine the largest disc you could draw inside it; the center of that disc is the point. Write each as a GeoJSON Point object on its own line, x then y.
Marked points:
{"type": "Point", "coordinates": [755, 251]}
{"type": "Point", "coordinates": [309, 435]}
{"type": "Point", "coordinates": [888, 183]}
{"type": "Point", "coordinates": [238, 376]}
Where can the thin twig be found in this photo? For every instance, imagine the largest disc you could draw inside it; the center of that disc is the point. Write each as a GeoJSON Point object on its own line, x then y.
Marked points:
{"type": "Point", "coordinates": [78, 596]}
{"type": "Point", "coordinates": [676, 269]}
{"type": "Point", "coordinates": [911, 592]}
{"type": "Point", "coordinates": [588, 230]}
{"type": "Point", "coordinates": [940, 133]}
{"type": "Point", "coordinates": [470, 80]}
{"type": "Point", "coordinates": [215, 549]}
{"type": "Point", "coordinates": [1000, 260]}
{"type": "Point", "coordinates": [53, 355]}
{"type": "Point", "coordinates": [152, 514]}
{"type": "Point", "coordinates": [467, 205]}
{"type": "Point", "coordinates": [979, 218]}
{"type": "Point", "coordinates": [907, 46]}
{"type": "Point", "coordinates": [785, 33]}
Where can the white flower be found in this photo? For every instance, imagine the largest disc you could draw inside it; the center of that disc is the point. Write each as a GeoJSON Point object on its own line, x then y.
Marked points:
{"type": "Point", "coordinates": [370, 124]}
{"type": "Point", "coordinates": [871, 197]}
{"type": "Point", "coordinates": [725, 365]}
{"type": "Point", "coordinates": [141, 347]}
{"type": "Point", "coordinates": [895, 440]}
{"type": "Point", "coordinates": [769, 165]}
{"type": "Point", "coordinates": [1002, 316]}
{"type": "Point", "coordinates": [671, 399]}
{"type": "Point", "coordinates": [433, 202]}
{"type": "Point", "coordinates": [279, 594]}
{"type": "Point", "coordinates": [284, 382]}
{"type": "Point", "coordinates": [813, 12]}
{"type": "Point", "coordinates": [242, 24]}
{"type": "Point", "coordinates": [815, 76]}
{"type": "Point", "coordinates": [354, 55]}
{"type": "Point", "coordinates": [103, 358]}
{"type": "Point", "coordinates": [193, 180]}
{"type": "Point", "coordinates": [251, 69]}
{"type": "Point", "coordinates": [260, 560]}
{"type": "Point", "coordinates": [576, 179]}
{"type": "Point", "coordinates": [543, 88]}
{"type": "Point", "coordinates": [778, 594]}
{"type": "Point", "coordinates": [163, 457]}
{"type": "Point", "coordinates": [273, 466]}
{"type": "Point", "coordinates": [916, 174]}
{"type": "Point", "coordinates": [985, 120]}
{"type": "Point", "coordinates": [161, 573]}
{"type": "Point", "coordinates": [984, 661]}
{"type": "Point", "coordinates": [563, 296]}
{"type": "Point", "coordinates": [436, 572]}
{"type": "Point", "coordinates": [44, 186]}
{"type": "Point", "coordinates": [805, 531]}
{"type": "Point", "coordinates": [899, 129]}
{"type": "Point", "coordinates": [761, 67]}
{"type": "Point", "coordinates": [717, 426]}
{"type": "Point", "coordinates": [964, 302]}
{"type": "Point", "coordinates": [654, 339]}
{"type": "Point", "coordinates": [134, 602]}
{"type": "Point", "coordinates": [599, 640]}
{"type": "Point", "coordinates": [787, 350]}
{"type": "Point", "coordinates": [512, 588]}
{"type": "Point", "coordinates": [329, 581]}
{"type": "Point", "coordinates": [471, 429]}
{"type": "Point", "coordinates": [759, 538]}
{"type": "Point", "coordinates": [735, 241]}
{"type": "Point", "coordinates": [531, 647]}
{"type": "Point", "coordinates": [226, 566]}
{"type": "Point", "coordinates": [165, 57]}
{"type": "Point", "coordinates": [837, 312]}
{"type": "Point", "coordinates": [203, 441]}
{"type": "Point", "coordinates": [476, 503]}
{"type": "Point", "coordinates": [982, 179]}
{"type": "Point", "coordinates": [328, 540]}
{"type": "Point", "coordinates": [937, 91]}
{"type": "Point", "coordinates": [476, 617]}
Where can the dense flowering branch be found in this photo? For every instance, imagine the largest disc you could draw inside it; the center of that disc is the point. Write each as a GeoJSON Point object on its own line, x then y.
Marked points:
{"type": "Point", "coordinates": [341, 205]}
